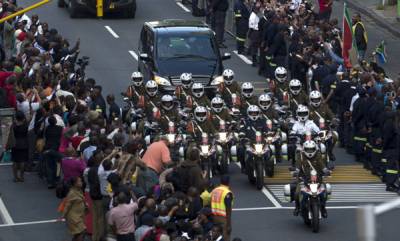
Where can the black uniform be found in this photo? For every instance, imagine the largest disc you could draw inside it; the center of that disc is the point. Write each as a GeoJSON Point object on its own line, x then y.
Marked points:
{"type": "Point", "coordinates": [359, 120]}
{"type": "Point", "coordinates": [344, 93]}
{"type": "Point", "coordinates": [391, 146]}
{"type": "Point", "coordinates": [242, 15]}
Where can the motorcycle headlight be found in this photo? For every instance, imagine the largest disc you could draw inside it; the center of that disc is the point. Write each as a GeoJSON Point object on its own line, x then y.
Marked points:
{"type": "Point", "coordinates": [217, 80]}
{"type": "Point", "coordinates": [162, 81]}
{"type": "Point", "coordinates": [258, 148]}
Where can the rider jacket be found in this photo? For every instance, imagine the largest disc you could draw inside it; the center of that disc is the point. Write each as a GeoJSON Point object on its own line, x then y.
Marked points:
{"type": "Point", "coordinates": [250, 127]}
{"type": "Point", "coordinates": [304, 167]}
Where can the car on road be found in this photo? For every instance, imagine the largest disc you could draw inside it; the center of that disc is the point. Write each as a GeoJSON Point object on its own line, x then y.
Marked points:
{"type": "Point", "coordinates": [75, 7]}
{"type": "Point", "coordinates": [169, 48]}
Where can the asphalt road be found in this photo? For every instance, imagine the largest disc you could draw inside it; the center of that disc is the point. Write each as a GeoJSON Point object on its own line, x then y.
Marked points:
{"type": "Point", "coordinates": [258, 216]}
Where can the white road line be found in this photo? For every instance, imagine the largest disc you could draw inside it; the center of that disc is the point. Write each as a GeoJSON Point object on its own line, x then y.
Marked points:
{"type": "Point", "coordinates": [283, 208]}
{"type": "Point", "coordinates": [183, 7]}
{"type": "Point", "coordinates": [31, 223]}
{"type": "Point", "coordinates": [133, 54]}
{"type": "Point", "coordinates": [111, 31]}
{"type": "Point", "coordinates": [271, 197]}
{"type": "Point", "coordinates": [6, 164]}
{"type": "Point", "coordinates": [4, 214]}
{"type": "Point", "coordinates": [242, 57]}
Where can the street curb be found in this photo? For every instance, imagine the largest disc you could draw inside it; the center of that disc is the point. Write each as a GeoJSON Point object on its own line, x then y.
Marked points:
{"type": "Point", "coordinates": [379, 20]}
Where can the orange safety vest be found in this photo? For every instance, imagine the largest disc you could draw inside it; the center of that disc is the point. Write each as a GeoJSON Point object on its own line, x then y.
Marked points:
{"type": "Point", "coordinates": [218, 195]}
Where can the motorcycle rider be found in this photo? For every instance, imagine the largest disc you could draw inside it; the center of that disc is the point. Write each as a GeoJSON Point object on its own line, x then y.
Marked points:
{"type": "Point", "coordinates": [137, 88]}
{"type": "Point", "coordinates": [229, 87]}
{"type": "Point", "coordinates": [297, 95]}
{"type": "Point", "coordinates": [247, 97]}
{"type": "Point", "coordinates": [184, 91]}
{"type": "Point", "coordinates": [219, 112]}
{"type": "Point", "coordinates": [300, 127]}
{"type": "Point", "coordinates": [309, 159]}
{"type": "Point", "coordinates": [319, 110]}
{"type": "Point", "coordinates": [253, 123]}
{"type": "Point", "coordinates": [267, 110]}
{"type": "Point", "coordinates": [279, 86]}
{"type": "Point", "coordinates": [152, 100]}
{"type": "Point", "coordinates": [169, 113]}
{"type": "Point", "coordinates": [198, 98]}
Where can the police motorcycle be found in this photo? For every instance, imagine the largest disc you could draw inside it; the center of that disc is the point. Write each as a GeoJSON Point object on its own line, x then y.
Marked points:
{"type": "Point", "coordinates": [203, 141]}
{"type": "Point", "coordinates": [174, 131]}
{"type": "Point", "coordinates": [151, 123]}
{"type": "Point", "coordinates": [313, 191]}
{"type": "Point", "coordinates": [257, 152]}
{"type": "Point", "coordinates": [132, 112]}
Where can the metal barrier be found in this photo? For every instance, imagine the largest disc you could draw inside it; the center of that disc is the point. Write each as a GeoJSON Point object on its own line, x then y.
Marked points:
{"type": "Point", "coordinates": [6, 119]}
{"type": "Point", "coordinates": [366, 224]}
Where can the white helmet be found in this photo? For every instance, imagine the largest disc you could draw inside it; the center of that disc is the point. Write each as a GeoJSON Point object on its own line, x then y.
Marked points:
{"type": "Point", "coordinates": [167, 102]}
{"type": "Point", "coordinates": [264, 101]}
{"type": "Point", "coordinates": [228, 75]}
{"type": "Point", "coordinates": [280, 74]}
{"type": "Point", "coordinates": [200, 113]}
{"type": "Point", "coordinates": [310, 148]}
{"type": "Point", "coordinates": [295, 86]}
{"type": "Point", "coordinates": [315, 98]}
{"type": "Point", "coordinates": [186, 80]}
{"type": "Point", "coordinates": [198, 90]}
{"type": "Point", "coordinates": [253, 112]}
{"type": "Point", "coordinates": [151, 87]}
{"type": "Point", "coordinates": [247, 89]}
{"type": "Point", "coordinates": [302, 113]}
{"type": "Point", "coordinates": [137, 78]}
{"type": "Point", "coordinates": [217, 104]}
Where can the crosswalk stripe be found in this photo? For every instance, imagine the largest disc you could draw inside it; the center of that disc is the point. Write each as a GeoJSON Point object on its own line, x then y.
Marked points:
{"type": "Point", "coordinates": [341, 174]}
{"type": "Point", "coordinates": [347, 193]}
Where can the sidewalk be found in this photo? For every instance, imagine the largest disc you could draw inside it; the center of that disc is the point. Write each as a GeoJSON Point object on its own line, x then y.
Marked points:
{"type": "Point", "coordinates": [386, 18]}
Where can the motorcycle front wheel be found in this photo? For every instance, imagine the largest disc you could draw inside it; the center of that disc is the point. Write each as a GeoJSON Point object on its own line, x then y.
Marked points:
{"type": "Point", "coordinates": [259, 175]}
{"type": "Point", "coordinates": [315, 217]}
{"type": "Point", "coordinates": [270, 168]}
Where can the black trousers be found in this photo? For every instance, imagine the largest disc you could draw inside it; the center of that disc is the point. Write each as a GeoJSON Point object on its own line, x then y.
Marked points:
{"type": "Point", "coordinates": [392, 170]}
{"type": "Point", "coordinates": [126, 237]}
{"type": "Point", "coordinates": [218, 25]}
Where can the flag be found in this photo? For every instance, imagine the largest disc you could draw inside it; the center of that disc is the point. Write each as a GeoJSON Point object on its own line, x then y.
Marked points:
{"type": "Point", "coordinates": [349, 50]}
{"type": "Point", "coordinates": [380, 52]}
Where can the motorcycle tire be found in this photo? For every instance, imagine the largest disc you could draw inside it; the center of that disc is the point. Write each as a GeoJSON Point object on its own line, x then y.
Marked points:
{"type": "Point", "coordinates": [224, 163]}
{"type": "Point", "coordinates": [250, 175]}
{"type": "Point", "coordinates": [270, 169]}
{"type": "Point", "coordinates": [73, 9]}
{"type": "Point", "coordinates": [208, 169]}
{"type": "Point", "coordinates": [306, 220]}
{"type": "Point", "coordinates": [259, 176]}
{"type": "Point", "coordinates": [315, 217]}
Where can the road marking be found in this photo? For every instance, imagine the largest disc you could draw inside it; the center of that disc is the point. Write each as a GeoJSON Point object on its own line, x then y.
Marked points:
{"type": "Point", "coordinates": [6, 164]}
{"type": "Point", "coordinates": [271, 197]}
{"type": "Point", "coordinates": [289, 208]}
{"type": "Point", "coordinates": [347, 193]}
{"type": "Point", "coordinates": [242, 57]}
{"type": "Point", "coordinates": [133, 54]}
{"type": "Point", "coordinates": [4, 214]}
{"type": "Point", "coordinates": [183, 7]}
{"type": "Point", "coordinates": [33, 222]}
{"type": "Point", "coordinates": [111, 31]}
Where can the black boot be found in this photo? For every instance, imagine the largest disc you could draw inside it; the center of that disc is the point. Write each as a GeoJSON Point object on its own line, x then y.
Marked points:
{"type": "Point", "coordinates": [324, 213]}
{"type": "Point", "coordinates": [297, 208]}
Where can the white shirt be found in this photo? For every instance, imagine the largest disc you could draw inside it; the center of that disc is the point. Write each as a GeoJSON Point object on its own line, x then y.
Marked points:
{"type": "Point", "coordinates": [355, 97]}
{"type": "Point", "coordinates": [301, 128]}
{"type": "Point", "coordinates": [253, 21]}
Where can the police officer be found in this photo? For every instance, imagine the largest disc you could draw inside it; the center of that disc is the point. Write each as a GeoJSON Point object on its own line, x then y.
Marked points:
{"type": "Point", "coordinates": [374, 120]}
{"type": "Point", "coordinates": [247, 97]}
{"type": "Point", "coordinates": [297, 95]}
{"type": "Point", "coordinates": [184, 91]}
{"type": "Point", "coordinates": [359, 123]}
{"type": "Point", "coordinates": [253, 123]}
{"type": "Point", "coordinates": [277, 52]}
{"type": "Point", "coordinates": [201, 124]}
{"type": "Point", "coordinates": [242, 15]}
{"type": "Point", "coordinates": [219, 112]}
{"type": "Point", "coordinates": [266, 106]}
{"type": "Point", "coordinates": [169, 113]}
{"type": "Point", "coordinates": [391, 147]}
{"type": "Point", "coordinates": [254, 33]}
{"type": "Point", "coordinates": [198, 98]}
{"type": "Point", "coordinates": [309, 159]}
{"type": "Point", "coordinates": [137, 89]}
{"type": "Point", "coordinates": [280, 85]}
{"type": "Point", "coordinates": [229, 87]}
{"type": "Point", "coordinates": [152, 99]}
{"type": "Point", "coordinates": [318, 111]}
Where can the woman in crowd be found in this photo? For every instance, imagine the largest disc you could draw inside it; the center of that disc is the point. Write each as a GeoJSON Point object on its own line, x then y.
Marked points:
{"type": "Point", "coordinates": [18, 143]}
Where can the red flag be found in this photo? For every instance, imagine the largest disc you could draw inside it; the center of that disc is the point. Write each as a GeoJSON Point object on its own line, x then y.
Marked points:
{"type": "Point", "coordinates": [348, 41]}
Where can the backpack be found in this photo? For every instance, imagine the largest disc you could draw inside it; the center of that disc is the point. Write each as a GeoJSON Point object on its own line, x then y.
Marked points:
{"type": "Point", "coordinates": [94, 184]}
{"type": "Point", "coordinates": [3, 98]}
